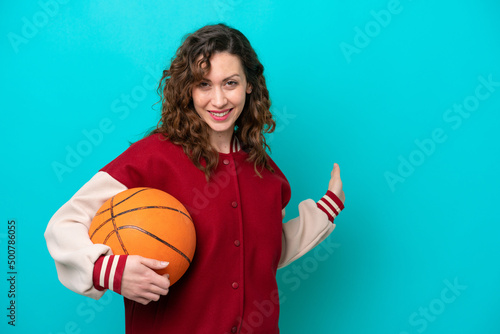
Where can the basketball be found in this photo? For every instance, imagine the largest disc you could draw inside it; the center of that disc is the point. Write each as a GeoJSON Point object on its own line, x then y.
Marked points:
{"type": "Point", "coordinates": [150, 223]}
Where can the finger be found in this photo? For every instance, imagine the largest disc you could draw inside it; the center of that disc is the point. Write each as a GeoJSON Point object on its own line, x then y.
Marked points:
{"type": "Point", "coordinates": [160, 281]}
{"type": "Point", "coordinates": [335, 171]}
{"type": "Point", "coordinates": [154, 264]}
{"type": "Point", "coordinates": [146, 299]}
{"type": "Point", "coordinates": [151, 296]}
{"type": "Point", "coordinates": [142, 301]}
{"type": "Point", "coordinates": [336, 168]}
{"type": "Point", "coordinates": [145, 296]}
{"type": "Point", "coordinates": [160, 289]}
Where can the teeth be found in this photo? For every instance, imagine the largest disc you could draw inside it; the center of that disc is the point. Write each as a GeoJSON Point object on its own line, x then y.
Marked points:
{"type": "Point", "coordinates": [222, 114]}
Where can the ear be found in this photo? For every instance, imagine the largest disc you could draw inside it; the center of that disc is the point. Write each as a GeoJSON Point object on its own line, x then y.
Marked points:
{"type": "Point", "coordinates": [249, 88]}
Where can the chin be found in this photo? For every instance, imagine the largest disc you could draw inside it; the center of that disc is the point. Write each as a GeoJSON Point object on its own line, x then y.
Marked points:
{"type": "Point", "coordinates": [221, 128]}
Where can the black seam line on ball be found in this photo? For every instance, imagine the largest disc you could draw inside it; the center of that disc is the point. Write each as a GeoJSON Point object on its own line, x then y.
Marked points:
{"type": "Point", "coordinates": [136, 209]}
{"type": "Point", "coordinates": [115, 227]}
{"type": "Point", "coordinates": [123, 200]}
{"type": "Point", "coordinates": [152, 236]}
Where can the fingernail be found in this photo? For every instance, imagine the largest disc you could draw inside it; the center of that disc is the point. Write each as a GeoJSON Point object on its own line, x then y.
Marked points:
{"type": "Point", "coordinates": [163, 263]}
{"type": "Point", "coordinates": [168, 276]}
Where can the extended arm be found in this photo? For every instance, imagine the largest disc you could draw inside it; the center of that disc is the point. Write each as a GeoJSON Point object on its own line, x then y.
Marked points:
{"type": "Point", "coordinates": [315, 221]}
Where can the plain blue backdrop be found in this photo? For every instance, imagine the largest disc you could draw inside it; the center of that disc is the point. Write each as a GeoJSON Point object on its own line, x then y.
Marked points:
{"type": "Point", "coordinates": [404, 95]}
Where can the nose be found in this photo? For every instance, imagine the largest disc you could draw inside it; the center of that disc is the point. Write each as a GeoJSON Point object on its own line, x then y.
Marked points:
{"type": "Point", "coordinates": [218, 98]}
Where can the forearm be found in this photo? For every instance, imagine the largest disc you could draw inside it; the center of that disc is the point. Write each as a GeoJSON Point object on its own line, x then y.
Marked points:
{"type": "Point", "coordinates": [67, 235]}
{"type": "Point", "coordinates": [314, 224]}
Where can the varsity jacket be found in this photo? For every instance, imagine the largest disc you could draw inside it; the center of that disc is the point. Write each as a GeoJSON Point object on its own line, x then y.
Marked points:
{"type": "Point", "coordinates": [230, 286]}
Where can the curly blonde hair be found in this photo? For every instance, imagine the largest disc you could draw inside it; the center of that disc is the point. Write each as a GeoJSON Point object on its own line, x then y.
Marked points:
{"type": "Point", "coordinates": [180, 122]}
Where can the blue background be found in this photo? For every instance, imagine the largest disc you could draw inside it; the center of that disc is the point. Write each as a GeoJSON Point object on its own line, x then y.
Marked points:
{"type": "Point", "coordinates": [351, 82]}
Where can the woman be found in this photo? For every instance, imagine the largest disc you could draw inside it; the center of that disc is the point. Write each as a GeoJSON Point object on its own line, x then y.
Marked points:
{"type": "Point", "coordinates": [208, 151]}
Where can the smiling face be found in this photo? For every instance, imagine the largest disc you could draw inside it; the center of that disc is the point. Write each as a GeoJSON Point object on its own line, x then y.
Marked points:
{"type": "Point", "coordinates": [220, 97]}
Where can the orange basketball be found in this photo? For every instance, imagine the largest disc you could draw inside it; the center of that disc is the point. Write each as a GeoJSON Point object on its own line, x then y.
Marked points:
{"type": "Point", "coordinates": [150, 223]}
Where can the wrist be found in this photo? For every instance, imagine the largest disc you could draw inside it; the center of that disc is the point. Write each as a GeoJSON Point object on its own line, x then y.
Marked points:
{"type": "Point", "coordinates": [108, 272]}
{"type": "Point", "coordinates": [331, 205]}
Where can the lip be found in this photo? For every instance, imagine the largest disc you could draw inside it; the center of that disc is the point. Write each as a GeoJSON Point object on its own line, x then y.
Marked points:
{"type": "Point", "coordinates": [220, 118]}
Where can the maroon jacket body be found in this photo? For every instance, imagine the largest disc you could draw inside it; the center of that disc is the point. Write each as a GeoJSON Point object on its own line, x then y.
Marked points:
{"type": "Point", "coordinates": [231, 282]}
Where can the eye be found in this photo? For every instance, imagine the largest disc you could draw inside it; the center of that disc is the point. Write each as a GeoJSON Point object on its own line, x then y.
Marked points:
{"type": "Point", "coordinates": [203, 84]}
{"type": "Point", "coordinates": [232, 83]}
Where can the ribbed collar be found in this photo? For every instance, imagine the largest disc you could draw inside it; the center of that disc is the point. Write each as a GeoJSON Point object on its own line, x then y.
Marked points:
{"type": "Point", "coordinates": [235, 145]}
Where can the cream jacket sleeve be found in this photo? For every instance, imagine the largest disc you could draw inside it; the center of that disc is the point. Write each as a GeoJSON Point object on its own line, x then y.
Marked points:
{"type": "Point", "coordinates": [67, 235]}
{"type": "Point", "coordinates": [310, 228]}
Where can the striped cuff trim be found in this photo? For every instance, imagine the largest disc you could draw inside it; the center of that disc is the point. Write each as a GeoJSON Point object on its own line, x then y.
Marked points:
{"type": "Point", "coordinates": [331, 205]}
{"type": "Point", "coordinates": [108, 271]}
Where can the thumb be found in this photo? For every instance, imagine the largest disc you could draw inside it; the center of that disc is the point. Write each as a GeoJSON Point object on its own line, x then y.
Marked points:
{"type": "Point", "coordinates": [335, 171]}
{"type": "Point", "coordinates": [335, 184]}
{"type": "Point", "coordinates": [154, 264]}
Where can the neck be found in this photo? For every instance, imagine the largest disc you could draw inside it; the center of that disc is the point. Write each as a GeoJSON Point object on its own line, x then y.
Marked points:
{"type": "Point", "coordinates": [221, 141]}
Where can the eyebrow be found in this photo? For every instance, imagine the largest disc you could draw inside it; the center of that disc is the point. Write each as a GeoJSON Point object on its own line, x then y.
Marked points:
{"type": "Point", "coordinates": [225, 79]}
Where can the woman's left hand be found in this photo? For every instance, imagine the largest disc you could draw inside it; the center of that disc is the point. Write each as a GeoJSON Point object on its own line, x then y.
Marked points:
{"type": "Point", "coordinates": [335, 184]}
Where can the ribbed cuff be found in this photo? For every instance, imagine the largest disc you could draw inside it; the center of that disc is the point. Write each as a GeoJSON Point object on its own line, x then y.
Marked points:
{"type": "Point", "coordinates": [108, 272]}
{"type": "Point", "coordinates": [331, 205]}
